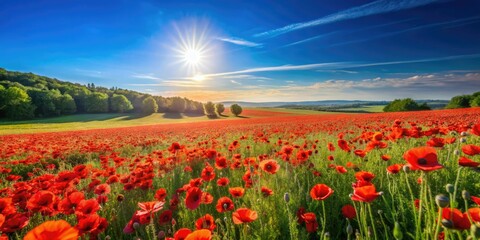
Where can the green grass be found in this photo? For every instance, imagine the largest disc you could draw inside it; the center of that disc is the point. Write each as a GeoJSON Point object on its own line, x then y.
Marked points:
{"type": "Point", "coordinates": [372, 109]}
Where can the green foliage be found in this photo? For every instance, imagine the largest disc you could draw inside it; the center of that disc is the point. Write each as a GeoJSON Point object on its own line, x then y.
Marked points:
{"type": "Point", "coordinates": [462, 101]}
{"type": "Point", "coordinates": [17, 104]}
{"type": "Point", "coordinates": [120, 103]}
{"type": "Point", "coordinates": [209, 109]}
{"type": "Point", "coordinates": [97, 103]}
{"type": "Point", "coordinates": [47, 95]}
{"type": "Point", "coordinates": [475, 102]}
{"type": "Point", "coordinates": [149, 105]}
{"type": "Point", "coordinates": [66, 104]}
{"type": "Point", "coordinates": [177, 104]}
{"type": "Point", "coordinates": [219, 108]}
{"type": "Point", "coordinates": [236, 109]}
{"type": "Point", "coordinates": [406, 104]}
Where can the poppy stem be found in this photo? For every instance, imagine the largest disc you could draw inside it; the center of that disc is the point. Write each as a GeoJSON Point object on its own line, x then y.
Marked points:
{"type": "Point", "coordinates": [369, 207]}
{"type": "Point", "coordinates": [456, 184]}
{"type": "Point", "coordinates": [419, 219]}
{"type": "Point", "coordinates": [439, 220]}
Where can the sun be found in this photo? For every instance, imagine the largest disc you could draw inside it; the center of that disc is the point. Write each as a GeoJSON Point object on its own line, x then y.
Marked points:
{"type": "Point", "coordinates": [192, 56]}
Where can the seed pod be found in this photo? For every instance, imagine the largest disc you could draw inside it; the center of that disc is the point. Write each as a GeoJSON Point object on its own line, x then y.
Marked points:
{"type": "Point", "coordinates": [450, 188]}
{"type": "Point", "coordinates": [397, 231]}
{"type": "Point", "coordinates": [136, 225]}
{"type": "Point", "coordinates": [286, 197]}
{"type": "Point", "coordinates": [456, 152]}
{"type": "Point", "coordinates": [465, 195]}
{"type": "Point", "coordinates": [349, 229]}
{"type": "Point", "coordinates": [161, 235]}
{"type": "Point", "coordinates": [406, 168]}
{"type": "Point", "coordinates": [447, 223]}
{"type": "Point", "coordinates": [442, 201]}
{"type": "Point", "coordinates": [463, 140]}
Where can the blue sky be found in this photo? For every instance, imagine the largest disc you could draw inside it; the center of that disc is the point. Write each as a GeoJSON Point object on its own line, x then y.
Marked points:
{"type": "Point", "coordinates": [250, 50]}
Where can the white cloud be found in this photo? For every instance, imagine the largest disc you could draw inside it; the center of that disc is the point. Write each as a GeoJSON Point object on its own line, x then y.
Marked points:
{"type": "Point", "coordinates": [373, 8]}
{"type": "Point", "coordinates": [145, 76]}
{"type": "Point", "coordinates": [241, 42]}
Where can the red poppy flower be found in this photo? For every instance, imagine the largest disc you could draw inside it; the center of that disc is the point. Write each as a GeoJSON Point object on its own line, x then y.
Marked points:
{"type": "Point", "coordinates": [386, 157]}
{"type": "Point", "coordinates": [436, 142]}
{"type": "Point", "coordinates": [459, 220]}
{"type": "Point", "coordinates": [102, 189]}
{"type": "Point", "coordinates": [207, 198]}
{"type": "Point", "coordinates": [476, 200]}
{"type": "Point", "coordinates": [161, 194]}
{"type": "Point", "coordinates": [471, 150]}
{"type": "Point", "coordinates": [42, 201]}
{"type": "Point", "coordinates": [182, 233]}
{"type": "Point", "coordinates": [266, 191]}
{"type": "Point", "coordinates": [165, 217]}
{"type": "Point", "coordinates": [221, 182]}
{"type": "Point", "coordinates": [14, 223]}
{"type": "Point", "coordinates": [422, 158]}
{"type": "Point", "coordinates": [6, 206]}
{"type": "Point", "coordinates": [88, 224]}
{"type": "Point", "coordinates": [394, 169]}
{"type": "Point", "coordinates": [270, 166]}
{"type": "Point", "coordinates": [365, 193]}
{"type": "Point", "coordinates": [205, 222]}
{"type": "Point", "coordinates": [52, 230]}
{"type": "Point", "coordinates": [202, 234]}
{"type": "Point", "coordinates": [300, 212]}
{"type": "Point", "coordinates": [224, 204]}
{"type": "Point", "coordinates": [360, 153]}
{"type": "Point", "coordinates": [320, 192]}
{"type": "Point", "coordinates": [87, 207]}
{"type": "Point", "coordinates": [150, 207]}
{"type": "Point", "coordinates": [364, 176]}
{"type": "Point", "coordinates": [244, 215]}
{"type": "Point", "coordinates": [475, 214]}
{"type": "Point", "coordinates": [237, 192]}
{"type": "Point", "coordinates": [343, 145]}
{"type": "Point", "coordinates": [208, 173]}
{"type": "Point", "coordinates": [349, 212]}
{"type": "Point", "coordinates": [340, 169]}
{"type": "Point", "coordinates": [465, 162]}
{"type": "Point", "coordinates": [193, 198]}
{"type": "Point", "coordinates": [310, 222]}
{"type": "Point", "coordinates": [476, 129]}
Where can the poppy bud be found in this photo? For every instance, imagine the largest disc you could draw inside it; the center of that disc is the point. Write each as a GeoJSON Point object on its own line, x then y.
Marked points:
{"type": "Point", "coordinates": [456, 152]}
{"type": "Point", "coordinates": [225, 219]}
{"type": "Point", "coordinates": [161, 235]}
{"type": "Point", "coordinates": [286, 197]}
{"type": "Point", "coordinates": [463, 134]}
{"type": "Point", "coordinates": [174, 222]}
{"type": "Point", "coordinates": [442, 201]}
{"type": "Point", "coordinates": [447, 223]}
{"type": "Point", "coordinates": [463, 140]}
{"type": "Point", "coordinates": [465, 195]}
{"type": "Point", "coordinates": [108, 237]}
{"type": "Point", "coordinates": [475, 230]}
{"type": "Point", "coordinates": [450, 188]}
{"type": "Point", "coordinates": [406, 168]}
{"type": "Point", "coordinates": [136, 225]}
{"type": "Point", "coordinates": [349, 229]}
{"type": "Point", "coordinates": [380, 212]}
{"type": "Point", "coordinates": [397, 231]}
{"type": "Point", "coordinates": [453, 133]}
{"type": "Point", "coordinates": [327, 235]}
{"type": "Point", "coordinates": [369, 232]}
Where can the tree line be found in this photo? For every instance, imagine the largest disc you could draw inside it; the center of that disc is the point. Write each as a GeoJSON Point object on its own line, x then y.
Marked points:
{"type": "Point", "coordinates": [464, 101]}
{"type": "Point", "coordinates": [27, 95]}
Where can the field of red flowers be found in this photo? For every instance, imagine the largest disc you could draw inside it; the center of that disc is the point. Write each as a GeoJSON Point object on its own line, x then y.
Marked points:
{"type": "Point", "coordinates": [351, 176]}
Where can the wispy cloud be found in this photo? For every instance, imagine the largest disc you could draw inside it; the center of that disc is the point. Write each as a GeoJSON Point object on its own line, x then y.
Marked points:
{"type": "Point", "coordinates": [312, 38]}
{"type": "Point", "coordinates": [145, 76]}
{"type": "Point", "coordinates": [241, 42]}
{"type": "Point", "coordinates": [373, 8]}
{"type": "Point", "coordinates": [454, 23]}
{"type": "Point", "coordinates": [246, 77]}
{"type": "Point", "coordinates": [235, 82]}
{"type": "Point", "coordinates": [170, 83]}
{"type": "Point", "coordinates": [333, 66]}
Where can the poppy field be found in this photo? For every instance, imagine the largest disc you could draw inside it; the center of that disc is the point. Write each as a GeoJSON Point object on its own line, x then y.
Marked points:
{"type": "Point", "coordinates": [412, 175]}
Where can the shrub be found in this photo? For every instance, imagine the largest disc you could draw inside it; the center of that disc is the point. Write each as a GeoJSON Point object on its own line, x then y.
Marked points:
{"type": "Point", "coordinates": [236, 109]}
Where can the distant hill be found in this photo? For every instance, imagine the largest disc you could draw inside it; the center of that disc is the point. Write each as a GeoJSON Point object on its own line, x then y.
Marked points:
{"type": "Point", "coordinates": [432, 103]}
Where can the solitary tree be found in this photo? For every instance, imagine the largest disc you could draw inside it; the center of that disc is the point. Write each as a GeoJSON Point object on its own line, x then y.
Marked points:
{"type": "Point", "coordinates": [219, 108]}
{"type": "Point", "coordinates": [120, 103]}
{"type": "Point", "coordinates": [209, 109]}
{"type": "Point", "coordinates": [236, 109]}
{"type": "Point", "coordinates": [149, 105]}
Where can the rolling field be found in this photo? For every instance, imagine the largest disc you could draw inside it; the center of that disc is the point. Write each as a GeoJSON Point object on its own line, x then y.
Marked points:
{"type": "Point", "coordinates": [115, 120]}
{"type": "Point", "coordinates": [288, 175]}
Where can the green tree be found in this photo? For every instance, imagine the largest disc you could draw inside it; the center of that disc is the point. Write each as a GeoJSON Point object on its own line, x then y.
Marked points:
{"type": "Point", "coordinates": [66, 104]}
{"type": "Point", "coordinates": [209, 109]}
{"type": "Point", "coordinates": [120, 103]}
{"type": "Point", "coordinates": [79, 94]}
{"type": "Point", "coordinates": [177, 104]}
{"type": "Point", "coordinates": [18, 104]}
{"type": "Point", "coordinates": [406, 104]}
{"type": "Point", "coordinates": [236, 109]}
{"type": "Point", "coordinates": [97, 102]}
{"type": "Point", "coordinates": [149, 105]}
{"type": "Point", "coordinates": [475, 102]}
{"type": "Point", "coordinates": [219, 108]}
{"type": "Point", "coordinates": [2, 99]}
{"type": "Point", "coordinates": [462, 101]}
